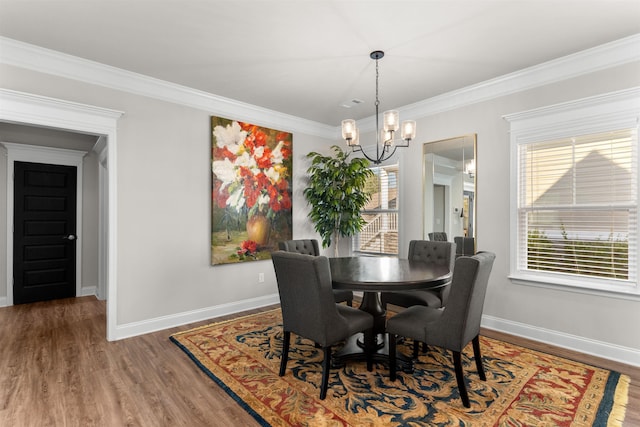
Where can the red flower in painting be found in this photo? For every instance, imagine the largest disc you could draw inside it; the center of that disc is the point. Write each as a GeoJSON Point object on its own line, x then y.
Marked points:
{"type": "Point", "coordinates": [286, 201]}
{"type": "Point", "coordinates": [223, 153]}
{"type": "Point", "coordinates": [264, 161]}
{"type": "Point", "coordinates": [247, 248]}
{"type": "Point", "coordinates": [220, 195]}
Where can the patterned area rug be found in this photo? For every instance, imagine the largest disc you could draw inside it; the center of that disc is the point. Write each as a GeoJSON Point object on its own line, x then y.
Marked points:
{"type": "Point", "coordinates": [523, 387]}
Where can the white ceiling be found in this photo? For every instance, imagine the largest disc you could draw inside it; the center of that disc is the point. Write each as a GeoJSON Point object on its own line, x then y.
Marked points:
{"type": "Point", "coordinates": [306, 58]}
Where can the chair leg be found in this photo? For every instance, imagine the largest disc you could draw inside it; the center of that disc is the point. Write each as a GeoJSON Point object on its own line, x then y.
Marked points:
{"type": "Point", "coordinates": [416, 349]}
{"type": "Point", "coordinates": [392, 357]}
{"type": "Point", "coordinates": [350, 303]}
{"type": "Point", "coordinates": [326, 365]}
{"type": "Point", "coordinates": [369, 344]}
{"type": "Point", "coordinates": [457, 362]}
{"type": "Point", "coordinates": [478, 356]}
{"type": "Point", "coordinates": [285, 352]}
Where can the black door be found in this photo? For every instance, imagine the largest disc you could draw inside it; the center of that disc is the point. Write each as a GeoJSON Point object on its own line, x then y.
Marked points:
{"type": "Point", "coordinates": [44, 235]}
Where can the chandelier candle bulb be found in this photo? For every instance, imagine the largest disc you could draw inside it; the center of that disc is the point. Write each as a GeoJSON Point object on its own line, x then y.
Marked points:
{"type": "Point", "coordinates": [356, 138]}
{"type": "Point", "coordinates": [408, 130]}
{"type": "Point", "coordinates": [349, 130]}
{"type": "Point", "coordinates": [391, 120]}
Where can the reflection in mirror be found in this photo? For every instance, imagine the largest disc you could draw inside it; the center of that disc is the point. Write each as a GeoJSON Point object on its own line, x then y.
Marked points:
{"type": "Point", "coordinates": [449, 191]}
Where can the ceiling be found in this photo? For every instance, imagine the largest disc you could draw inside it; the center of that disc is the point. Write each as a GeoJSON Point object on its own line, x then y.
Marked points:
{"type": "Point", "coordinates": [307, 58]}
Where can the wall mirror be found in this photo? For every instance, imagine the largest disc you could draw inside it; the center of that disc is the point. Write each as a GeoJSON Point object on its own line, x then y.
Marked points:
{"type": "Point", "coordinates": [449, 191]}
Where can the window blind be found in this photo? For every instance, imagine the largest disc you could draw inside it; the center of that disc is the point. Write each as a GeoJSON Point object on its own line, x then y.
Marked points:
{"type": "Point", "coordinates": [578, 207]}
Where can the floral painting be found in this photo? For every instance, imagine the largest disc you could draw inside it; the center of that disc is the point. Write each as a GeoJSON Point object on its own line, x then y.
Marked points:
{"type": "Point", "coordinates": [251, 190]}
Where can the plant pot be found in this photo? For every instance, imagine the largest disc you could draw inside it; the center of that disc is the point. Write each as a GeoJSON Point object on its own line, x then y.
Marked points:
{"type": "Point", "coordinates": [259, 229]}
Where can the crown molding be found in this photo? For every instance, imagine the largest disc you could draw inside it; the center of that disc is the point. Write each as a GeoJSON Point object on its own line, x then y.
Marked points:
{"type": "Point", "coordinates": [36, 58]}
{"type": "Point", "coordinates": [24, 55]}
{"type": "Point", "coordinates": [624, 104]}
{"type": "Point", "coordinates": [601, 57]}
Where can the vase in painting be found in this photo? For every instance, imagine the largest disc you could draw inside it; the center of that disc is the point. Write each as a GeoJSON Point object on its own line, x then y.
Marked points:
{"type": "Point", "coordinates": [258, 229]}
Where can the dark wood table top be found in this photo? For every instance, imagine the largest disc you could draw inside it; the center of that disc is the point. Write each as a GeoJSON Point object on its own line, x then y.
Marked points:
{"type": "Point", "coordinates": [386, 274]}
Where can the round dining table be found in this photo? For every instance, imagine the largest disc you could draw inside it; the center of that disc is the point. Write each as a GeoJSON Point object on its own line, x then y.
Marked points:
{"type": "Point", "coordinates": [372, 275]}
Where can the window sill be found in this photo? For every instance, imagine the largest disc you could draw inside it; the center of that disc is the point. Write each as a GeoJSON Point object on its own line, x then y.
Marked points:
{"type": "Point", "coordinates": [572, 285]}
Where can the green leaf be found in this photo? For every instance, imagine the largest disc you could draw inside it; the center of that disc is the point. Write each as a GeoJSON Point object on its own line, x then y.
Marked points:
{"type": "Point", "coordinates": [336, 193]}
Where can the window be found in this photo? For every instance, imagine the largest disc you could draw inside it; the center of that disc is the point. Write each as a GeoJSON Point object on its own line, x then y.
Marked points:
{"type": "Point", "coordinates": [575, 195]}
{"type": "Point", "coordinates": [576, 204]}
{"type": "Point", "coordinates": [380, 233]}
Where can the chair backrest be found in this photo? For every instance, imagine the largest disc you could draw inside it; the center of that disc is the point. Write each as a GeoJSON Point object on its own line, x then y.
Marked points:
{"type": "Point", "coordinates": [438, 236]}
{"type": "Point", "coordinates": [440, 253]}
{"type": "Point", "coordinates": [301, 246]}
{"type": "Point", "coordinates": [465, 245]}
{"type": "Point", "coordinates": [436, 252]}
{"type": "Point", "coordinates": [306, 296]}
{"type": "Point", "coordinates": [463, 311]}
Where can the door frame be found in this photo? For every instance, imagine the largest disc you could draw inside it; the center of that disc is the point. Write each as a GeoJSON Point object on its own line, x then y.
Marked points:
{"type": "Point", "coordinates": [37, 110]}
{"type": "Point", "coordinates": [50, 156]}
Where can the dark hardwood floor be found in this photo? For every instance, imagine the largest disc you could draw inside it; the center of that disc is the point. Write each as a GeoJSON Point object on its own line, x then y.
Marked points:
{"type": "Point", "coordinates": [57, 369]}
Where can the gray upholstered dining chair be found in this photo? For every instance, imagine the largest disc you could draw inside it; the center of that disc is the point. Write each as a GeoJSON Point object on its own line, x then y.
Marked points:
{"type": "Point", "coordinates": [311, 247]}
{"type": "Point", "coordinates": [441, 253]}
{"type": "Point", "coordinates": [453, 326]}
{"type": "Point", "coordinates": [308, 309]}
{"type": "Point", "coordinates": [300, 246]}
{"type": "Point", "coordinates": [465, 246]}
{"type": "Point", "coordinates": [438, 236]}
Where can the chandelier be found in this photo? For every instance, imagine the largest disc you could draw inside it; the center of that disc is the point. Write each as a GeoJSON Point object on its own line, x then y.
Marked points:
{"type": "Point", "coordinates": [386, 142]}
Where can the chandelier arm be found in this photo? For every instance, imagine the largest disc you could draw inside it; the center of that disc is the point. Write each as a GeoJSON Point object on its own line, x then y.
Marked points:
{"type": "Point", "coordinates": [384, 157]}
{"type": "Point", "coordinates": [379, 158]}
{"type": "Point", "coordinates": [395, 147]}
{"type": "Point", "coordinates": [374, 160]}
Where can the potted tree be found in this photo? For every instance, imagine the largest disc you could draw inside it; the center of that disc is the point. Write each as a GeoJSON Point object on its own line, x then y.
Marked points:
{"type": "Point", "coordinates": [337, 194]}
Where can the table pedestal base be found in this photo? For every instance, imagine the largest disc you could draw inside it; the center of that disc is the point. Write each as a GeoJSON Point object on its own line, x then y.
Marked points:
{"type": "Point", "coordinates": [353, 350]}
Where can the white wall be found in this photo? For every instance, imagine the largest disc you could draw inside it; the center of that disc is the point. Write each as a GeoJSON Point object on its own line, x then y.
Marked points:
{"type": "Point", "coordinates": [164, 198]}
{"type": "Point", "coordinates": [604, 319]}
{"type": "Point", "coordinates": [163, 208]}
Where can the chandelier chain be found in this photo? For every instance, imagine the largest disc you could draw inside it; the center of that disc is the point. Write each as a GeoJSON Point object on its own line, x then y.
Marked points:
{"type": "Point", "coordinates": [377, 78]}
{"type": "Point", "coordinates": [377, 113]}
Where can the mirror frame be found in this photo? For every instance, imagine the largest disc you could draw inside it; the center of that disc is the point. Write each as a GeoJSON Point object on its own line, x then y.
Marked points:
{"type": "Point", "coordinates": [455, 142]}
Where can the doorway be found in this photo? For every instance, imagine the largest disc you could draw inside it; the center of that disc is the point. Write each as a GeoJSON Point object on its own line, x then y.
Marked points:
{"type": "Point", "coordinates": [439, 208]}
{"type": "Point", "coordinates": [44, 112]}
{"type": "Point", "coordinates": [44, 236]}
{"type": "Point", "coordinates": [469, 214]}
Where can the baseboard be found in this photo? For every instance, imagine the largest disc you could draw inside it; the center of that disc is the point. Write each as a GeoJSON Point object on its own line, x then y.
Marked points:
{"type": "Point", "coordinates": [165, 322]}
{"type": "Point", "coordinates": [88, 291]}
{"type": "Point", "coordinates": [602, 349]}
{"type": "Point", "coordinates": [3, 301]}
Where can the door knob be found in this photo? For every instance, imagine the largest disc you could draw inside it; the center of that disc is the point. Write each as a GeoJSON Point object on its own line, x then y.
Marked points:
{"type": "Point", "coordinates": [70, 237]}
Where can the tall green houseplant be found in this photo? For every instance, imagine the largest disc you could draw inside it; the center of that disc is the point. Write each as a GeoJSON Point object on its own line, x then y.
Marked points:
{"type": "Point", "coordinates": [337, 194]}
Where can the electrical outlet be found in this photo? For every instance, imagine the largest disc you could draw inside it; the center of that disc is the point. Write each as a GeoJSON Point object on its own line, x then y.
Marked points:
{"type": "Point", "coordinates": [260, 277]}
